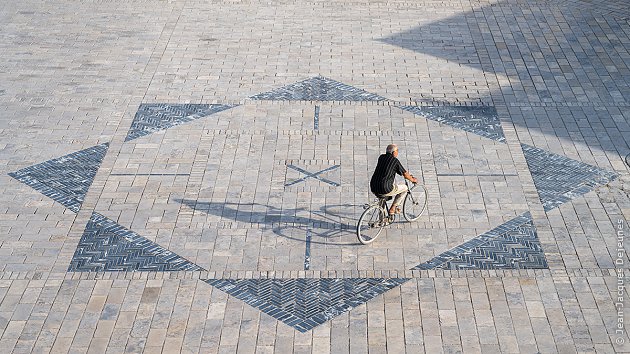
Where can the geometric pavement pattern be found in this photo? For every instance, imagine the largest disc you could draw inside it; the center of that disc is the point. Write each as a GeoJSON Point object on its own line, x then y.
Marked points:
{"type": "Point", "coordinates": [512, 245]}
{"type": "Point", "coordinates": [154, 117]}
{"type": "Point", "coordinates": [481, 120]}
{"type": "Point", "coordinates": [65, 179]}
{"type": "Point", "coordinates": [560, 179]}
{"type": "Point", "coordinates": [318, 89]}
{"type": "Point", "coordinates": [305, 303]}
{"type": "Point", "coordinates": [108, 246]}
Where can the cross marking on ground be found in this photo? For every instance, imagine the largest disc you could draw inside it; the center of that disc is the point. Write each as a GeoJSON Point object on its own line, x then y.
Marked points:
{"type": "Point", "coordinates": [313, 175]}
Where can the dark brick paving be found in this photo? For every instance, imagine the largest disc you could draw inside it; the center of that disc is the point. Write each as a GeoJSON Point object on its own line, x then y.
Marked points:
{"type": "Point", "coordinates": [560, 179]}
{"type": "Point", "coordinates": [513, 245]}
{"type": "Point", "coordinates": [108, 246]}
{"type": "Point", "coordinates": [480, 120]}
{"type": "Point", "coordinates": [305, 303]}
{"type": "Point", "coordinates": [65, 179]}
{"type": "Point", "coordinates": [318, 89]}
{"type": "Point", "coordinates": [154, 117]}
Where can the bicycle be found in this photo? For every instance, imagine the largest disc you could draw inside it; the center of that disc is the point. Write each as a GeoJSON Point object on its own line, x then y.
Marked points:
{"type": "Point", "coordinates": [376, 214]}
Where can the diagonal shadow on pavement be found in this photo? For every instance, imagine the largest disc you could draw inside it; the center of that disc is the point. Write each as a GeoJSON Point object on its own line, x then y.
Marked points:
{"type": "Point", "coordinates": [329, 223]}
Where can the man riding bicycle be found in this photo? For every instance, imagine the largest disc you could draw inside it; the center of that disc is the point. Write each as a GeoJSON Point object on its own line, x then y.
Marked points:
{"type": "Point", "coordinates": [382, 182]}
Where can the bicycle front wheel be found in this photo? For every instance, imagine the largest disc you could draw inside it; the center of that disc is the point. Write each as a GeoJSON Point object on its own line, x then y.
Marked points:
{"type": "Point", "coordinates": [415, 203]}
{"type": "Point", "coordinates": [370, 224]}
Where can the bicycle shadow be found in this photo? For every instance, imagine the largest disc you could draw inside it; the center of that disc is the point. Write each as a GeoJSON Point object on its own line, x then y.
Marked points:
{"type": "Point", "coordinates": [327, 225]}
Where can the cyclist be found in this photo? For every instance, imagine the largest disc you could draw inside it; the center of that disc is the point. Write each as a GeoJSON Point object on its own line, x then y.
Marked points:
{"type": "Point", "coordinates": [382, 182]}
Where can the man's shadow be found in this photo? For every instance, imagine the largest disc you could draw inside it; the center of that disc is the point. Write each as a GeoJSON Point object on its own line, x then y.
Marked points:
{"type": "Point", "coordinates": [331, 224]}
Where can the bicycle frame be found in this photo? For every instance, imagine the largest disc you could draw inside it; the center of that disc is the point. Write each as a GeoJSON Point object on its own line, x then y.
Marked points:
{"type": "Point", "coordinates": [382, 202]}
{"type": "Point", "coordinates": [384, 218]}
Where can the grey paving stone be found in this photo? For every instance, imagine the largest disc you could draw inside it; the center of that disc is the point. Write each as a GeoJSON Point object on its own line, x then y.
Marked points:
{"type": "Point", "coordinates": [615, 8]}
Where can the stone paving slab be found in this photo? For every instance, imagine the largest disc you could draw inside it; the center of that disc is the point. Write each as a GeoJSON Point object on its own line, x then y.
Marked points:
{"type": "Point", "coordinates": [241, 137]}
{"type": "Point", "coordinates": [551, 314]}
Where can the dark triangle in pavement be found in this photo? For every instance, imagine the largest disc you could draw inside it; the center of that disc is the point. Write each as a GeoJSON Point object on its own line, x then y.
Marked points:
{"type": "Point", "coordinates": [107, 246]}
{"type": "Point", "coordinates": [153, 117]}
{"type": "Point", "coordinates": [305, 303]}
{"type": "Point", "coordinates": [480, 120]}
{"type": "Point", "coordinates": [65, 179]}
{"type": "Point", "coordinates": [318, 89]}
{"type": "Point", "coordinates": [512, 245]}
{"type": "Point", "coordinates": [560, 179]}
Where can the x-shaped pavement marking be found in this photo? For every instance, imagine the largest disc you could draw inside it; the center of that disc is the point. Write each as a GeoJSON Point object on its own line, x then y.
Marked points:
{"type": "Point", "coordinates": [313, 175]}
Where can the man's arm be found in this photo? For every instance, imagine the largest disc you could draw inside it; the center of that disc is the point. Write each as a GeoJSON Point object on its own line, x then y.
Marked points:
{"type": "Point", "coordinates": [405, 173]}
{"type": "Point", "coordinates": [409, 177]}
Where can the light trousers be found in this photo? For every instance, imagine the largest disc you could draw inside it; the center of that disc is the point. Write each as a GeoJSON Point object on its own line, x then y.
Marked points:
{"type": "Point", "coordinates": [399, 191]}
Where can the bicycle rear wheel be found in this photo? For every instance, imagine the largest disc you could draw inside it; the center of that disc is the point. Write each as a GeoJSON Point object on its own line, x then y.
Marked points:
{"type": "Point", "coordinates": [415, 203]}
{"type": "Point", "coordinates": [370, 224]}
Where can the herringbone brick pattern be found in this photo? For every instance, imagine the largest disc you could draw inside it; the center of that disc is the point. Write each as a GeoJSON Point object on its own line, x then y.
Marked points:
{"type": "Point", "coordinates": [305, 303]}
{"type": "Point", "coordinates": [108, 246]}
{"type": "Point", "coordinates": [560, 179]}
{"type": "Point", "coordinates": [480, 120]}
{"type": "Point", "coordinates": [516, 249]}
{"type": "Point", "coordinates": [66, 179]}
{"type": "Point", "coordinates": [513, 245]}
{"type": "Point", "coordinates": [318, 89]}
{"type": "Point", "coordinates": [153, 117]}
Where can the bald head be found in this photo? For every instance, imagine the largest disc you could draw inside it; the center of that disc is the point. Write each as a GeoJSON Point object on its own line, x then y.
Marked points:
{"type": "Point", "coordinates": [391, 148]}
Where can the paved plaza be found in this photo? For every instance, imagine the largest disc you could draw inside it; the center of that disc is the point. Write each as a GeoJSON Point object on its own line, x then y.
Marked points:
{"type": "Point", "coordinates": [187, 175]}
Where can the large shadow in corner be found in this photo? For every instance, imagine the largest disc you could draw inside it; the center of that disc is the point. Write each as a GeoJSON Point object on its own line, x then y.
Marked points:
{"type": "Point", "coordinates": [458, 46]}
{"type": "Point", "coordinates": [330, 225]}
{"type": "Point", "coordinates": [572, 59]}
